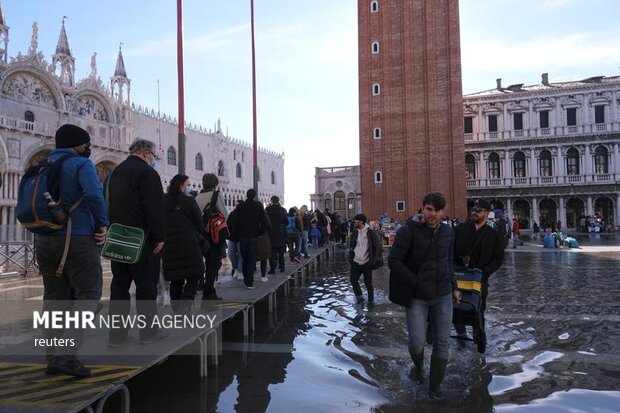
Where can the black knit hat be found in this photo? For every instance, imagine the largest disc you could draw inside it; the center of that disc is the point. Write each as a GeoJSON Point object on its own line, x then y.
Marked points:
{"type": "Point", "coordinates": [70, 136]}
{"type": "Point", "coordinates": [483, 203]}
{"type": "Point", "coordinates": [360, 217]}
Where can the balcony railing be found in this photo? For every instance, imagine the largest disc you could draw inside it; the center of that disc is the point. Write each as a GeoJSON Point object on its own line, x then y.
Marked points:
{"type": "Point", "coordinates": [521, 181]}
{"type": "Point", "coordinates": [603, 177]}
{"type": "Point", "coordinates": [545, 131]}
{"type": "Point", "coordinates": [469, 136]}
{"type": "Point", "coordinates": [546, 179]}
{"type": "Point", "coordinates": [601, 127]}
{"type": "Point", "coordinates": [25, 126]}
{"type": "Point", "coordinates": [493, 135]}
{"type": "Point", "coordinates": [518, 134]}
{"type": "Point", "coordinates": [471, 183]}
{"type": "Point", "coordinates": [572, 129]}
{"type": "Point", "coordinates": [495, 182]}
{"type": "Point", "coordinates": [574, 178]}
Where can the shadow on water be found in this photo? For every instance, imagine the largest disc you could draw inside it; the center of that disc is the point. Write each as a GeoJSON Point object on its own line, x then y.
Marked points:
{"type": "Point", "coordinates": [553, 326]}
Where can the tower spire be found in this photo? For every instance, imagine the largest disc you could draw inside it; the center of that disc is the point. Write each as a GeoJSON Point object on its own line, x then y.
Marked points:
{"type": "Point", "coordinates": [64, 58]}
{"type": "Point", "coordinates": [120, 64]}
{"type": "Point", "coordinates": [4, 37]}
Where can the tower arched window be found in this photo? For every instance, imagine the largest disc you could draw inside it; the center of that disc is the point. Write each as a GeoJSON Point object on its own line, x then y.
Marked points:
{"type": "Point", "coordinates": [374, 6]}
{"type": "Point", "coordinates": [28, 116]}
{"type": "Point", "coordinates": [273, 178]}
{"type": "Point", "coordinates": [220, 168]}
{"type": "Point", "coordinates": [374, 47]}
{"type": "Point", "coordinates": [198, 162]}
{"type": "Point", "coordinates": [376, 89]}
{"type": "Point", "coordinates": [378, 177]}
{"type": "Point", "coordinates": [601, 160]}
{"type": "Point", "coordinates": [234, 154]}
{"type": "Point", "coordinates": [494, 171]}
{"type": "Point", "coordinates": [377, 133]}
{"type": "Point", "coordinates": [572, 162]}
{"type": "Point", "coordinates": [239, 172]}
{"type": "Point", "coordinates": [172, 156]}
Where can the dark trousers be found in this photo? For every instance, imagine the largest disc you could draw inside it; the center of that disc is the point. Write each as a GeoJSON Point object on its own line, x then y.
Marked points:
{"type": "Point", "coordinates": [213, 262]}
{"type": "Point", "coordinates": [183, 289]}
{"type": "Point", "coordinates": [365, 270]}
{"type": "Point", "coordinates": [145, 275]}
{"type": "Point", "coordinates": [277, 257]}
{"type": "Point", "coordinates": [249, 250]}
{"type": "Point", "coordinates": [293, 244]}
{"type": "Point", "coordinates": [79, 288]}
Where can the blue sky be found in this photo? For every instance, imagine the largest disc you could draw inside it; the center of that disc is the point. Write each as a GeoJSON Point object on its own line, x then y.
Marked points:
{"type": "Point", "coordinates": [306, 60]}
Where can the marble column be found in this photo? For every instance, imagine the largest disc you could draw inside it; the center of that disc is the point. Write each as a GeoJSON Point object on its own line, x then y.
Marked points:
{"type": "Point", "coordinates": [535, 212]}
{"type": "Point", "coordinates": [508, 208]}
{"type": "Point", "coordinates": [590, 206]}
{"type": "Point", "coordinates": [587, 165]}
{"type": "Point", "coordinates": [562, 215]}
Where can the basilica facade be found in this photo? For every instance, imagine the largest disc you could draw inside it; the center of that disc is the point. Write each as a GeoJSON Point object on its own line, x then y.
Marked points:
{"type": "Point", "coordinates": [547, 153]}
{"type": "Point", "coordinates": [37, 96]}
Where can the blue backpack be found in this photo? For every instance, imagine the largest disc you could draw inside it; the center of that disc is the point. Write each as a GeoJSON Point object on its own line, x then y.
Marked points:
{"type": "Point", "coordinates": [291, 229]}
{"type": "Point", "coordinates": [32, 210]}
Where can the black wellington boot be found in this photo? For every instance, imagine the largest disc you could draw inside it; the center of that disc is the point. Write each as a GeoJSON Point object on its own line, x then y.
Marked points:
{"type": "Point", "coordinates": [438, 371]}
{"type": "Point", "coordinates": [417, 371]}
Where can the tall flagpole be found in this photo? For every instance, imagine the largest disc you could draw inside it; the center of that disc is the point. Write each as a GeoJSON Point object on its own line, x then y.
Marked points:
{"type": "Point", "coordinates": [181, 142]}
{"type": "Point", "coordinates": [254, 128]}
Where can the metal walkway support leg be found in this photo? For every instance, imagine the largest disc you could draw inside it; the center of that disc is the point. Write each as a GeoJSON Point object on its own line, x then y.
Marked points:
{"type": "Point", "coordinates": [124, 398]}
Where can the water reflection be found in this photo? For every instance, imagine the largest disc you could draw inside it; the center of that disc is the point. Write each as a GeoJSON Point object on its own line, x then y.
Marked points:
{"type": "Point", "coordinates": [553, 345]}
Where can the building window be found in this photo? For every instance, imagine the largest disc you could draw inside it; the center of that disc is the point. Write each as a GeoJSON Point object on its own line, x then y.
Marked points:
{"type": "Point", "coordinates": [378, 177]}
{"type": "Point", "coordinates": [543, 117]}
{"type": "Point", "coordinates": [239, 172]}
{"type": "Point", "coordinates": [492, 123]}
{"type": "Point", "coordinates": [572, 162]}
{"type": "Point", "coordinates": [375, 47]}
{"type": "Point", "coordinates": [376, 89]}
{"type": "Point", "coordinates": [470, 166]}
{"type": "Point", "coordinates": [519, 165]}
{"type": "Point", "coordinates": [545, 163]}
{"type": "Point", "coordinates": [273, 178]}
{"type": "Point", "coordinates": [468, 124]}
{"type": "Point", "coordinates": [601, 157]}
{"type": "Point", "coordinates": [374, 6]}
{"type": "Point", "coordinates": [494, 172]}
{"type": "Point", "coordinates": [599, 114]}
{"type": "Point", "coordinates": [377, 133]}
{"type": "Point", "coordinates": [198, 162]}
{"type": "Point", "coordinates": [328, 204]}
{"type": "Point", "coordinates": [400, 206]}
{"type": "Point", "coordinates": [517, 121]}
{"type": "Point", "coordinates": [242, 157]}
{"type": "Point", "coordinates": [340, 203]}
{"type": "Point", "coordinates": [29, 116]}
{"type": "Point", "coordinates": [571, 117]}
{"type": "Point", "coordinates": [220, 168]}
{"type": "Point", "coordinates": [234, 154]}
{"type": "Point", "coordinates": [172, 156]}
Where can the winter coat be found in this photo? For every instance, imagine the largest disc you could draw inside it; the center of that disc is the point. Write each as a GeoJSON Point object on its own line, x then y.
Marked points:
{"type": "Point", "coordinates": [374, 246]}
{"type": "Point", "coordinates": [422, 258]}
{"type": "Point", "coordinates": [182, 256]}
{"type": "Point", "coordinates": [486, 254]}
{"type": "Point", "coordinates": [251, 220]}
{"type": "Point", "coordinates": [277, 217]}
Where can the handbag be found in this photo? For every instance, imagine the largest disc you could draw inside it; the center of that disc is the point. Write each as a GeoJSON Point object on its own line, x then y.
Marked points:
{"type": "Point", "coordinates": [264, 247]}
{"type": "Point", "coordinates": [124, 243]}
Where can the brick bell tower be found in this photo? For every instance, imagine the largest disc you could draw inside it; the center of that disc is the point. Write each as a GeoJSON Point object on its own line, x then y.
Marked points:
{"type": "Point", "coordinates": [411, 112]}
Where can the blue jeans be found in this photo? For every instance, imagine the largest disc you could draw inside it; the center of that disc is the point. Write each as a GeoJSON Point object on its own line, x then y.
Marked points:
{"type": "Point", "coordinates": [234, 254]}
{"type": "Point", "coordinates": [440, 311]}
{"type": "Point", "coordinates": [304, 242]}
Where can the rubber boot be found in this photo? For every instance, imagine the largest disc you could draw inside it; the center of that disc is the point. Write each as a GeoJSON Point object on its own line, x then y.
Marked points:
{"type": "Point", "coordinates": [438, 371]}
{"type": "Point", "coordinates": [417, 371]}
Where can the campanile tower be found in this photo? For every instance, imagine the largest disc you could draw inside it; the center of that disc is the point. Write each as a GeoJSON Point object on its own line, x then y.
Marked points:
{"type": "Point", "coordinates": [411, 113]}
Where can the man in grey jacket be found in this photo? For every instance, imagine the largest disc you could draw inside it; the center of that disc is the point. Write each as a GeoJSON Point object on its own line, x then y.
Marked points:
{"type": "Point", "coordinates": [364, 253]}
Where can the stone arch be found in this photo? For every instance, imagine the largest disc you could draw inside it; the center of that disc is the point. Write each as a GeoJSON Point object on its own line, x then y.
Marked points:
{"type": "Point", "coordinates": [32, 84]}
{"type": "Point", "coordinates": [521, 211]}
{"type": "Point", "coordinates": [604, 209]}
{"type": "Point", "coordinates": [548, 213]}
{"type": "Point", "coordinates": [575, 209]}
{"type": "Point", "coordinates": [104, 168]}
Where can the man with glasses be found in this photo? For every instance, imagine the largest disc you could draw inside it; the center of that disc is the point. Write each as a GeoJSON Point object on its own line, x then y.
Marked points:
{"type": "Point", "coordinates": [478, 245]}
{"type": "Point", "coordinates": [136, 198]}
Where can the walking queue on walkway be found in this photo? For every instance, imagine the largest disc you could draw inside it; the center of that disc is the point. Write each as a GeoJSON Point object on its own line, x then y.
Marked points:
{"type": "Point", "coordinates": [74, 216]}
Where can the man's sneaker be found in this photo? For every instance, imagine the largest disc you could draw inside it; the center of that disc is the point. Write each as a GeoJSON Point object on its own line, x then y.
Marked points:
{"type": "Point", "coordinates": [263, 279]}
{"type": "Point", "coordinates": [249, 287]}
{"type": "Point", "coordinates": [306, 256]}
{"type": "Point", "coordinates": [462, 336]}
{"type": "Point", "coordinates": [159, 336]}
{"type": "Point", "coordinates": [69, 365]}
{"type": "Point", "coordinates": [272, 272]}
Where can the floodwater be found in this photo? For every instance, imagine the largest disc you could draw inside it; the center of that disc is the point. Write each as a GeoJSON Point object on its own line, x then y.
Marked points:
{"type": "Point", "coordinates": [553, 326]}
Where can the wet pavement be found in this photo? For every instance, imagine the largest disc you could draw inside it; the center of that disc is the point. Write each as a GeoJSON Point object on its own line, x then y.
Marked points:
{"type": "Point", "coordinates": [553, 325]}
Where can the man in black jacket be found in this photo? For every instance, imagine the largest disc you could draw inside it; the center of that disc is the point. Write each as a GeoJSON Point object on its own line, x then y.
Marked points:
{"type": "Point", "coordinates": [136, 199]}
{"type": "Point", "coordinates": [252, 222]}
{"type": "Point", "coordinates": [279, 221]}
{"type": "Point", "coordinates": [422, 259]}
{"type": "Point", "coordinates": [364, 251]}
{"type": "Point", "coordinates": [477, 245]}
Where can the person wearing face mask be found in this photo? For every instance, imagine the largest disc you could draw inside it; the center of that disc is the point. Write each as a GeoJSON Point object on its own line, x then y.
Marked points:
{"type": "Point", "coordinates": [136, 199]}
{"type": "Point", "coordinates": [182, 255]}
{"type": "Point", "coordinates": [81, 275]}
